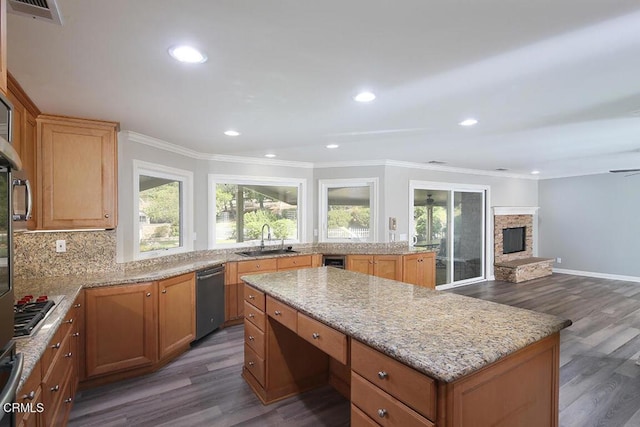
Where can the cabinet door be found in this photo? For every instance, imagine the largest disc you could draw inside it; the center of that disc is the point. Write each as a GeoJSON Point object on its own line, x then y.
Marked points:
{"type": "Point", "coordinates": [78, 181]}
{"type": "Point", "coordinates": [429, 270]}
{"type": "Point", "coordinates": [360, 263]}
{"type": "Point", "coordinates": [121, 328]}
{"type": "Point", "coordinates": [176, 314]}
{"type": "Point", "coordinates": [3, 46]}
{"type": "Point", "coordinates": [411, 269]}
{"type": "Point", "coordinates": [388, 266]}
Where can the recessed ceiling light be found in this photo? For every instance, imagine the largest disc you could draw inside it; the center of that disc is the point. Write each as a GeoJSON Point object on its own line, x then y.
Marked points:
{"type": "Point", "coordinates": [188, 54]}
{"type": "Point", "coordinates": [535, 172]}
{"type": "Point", "coordinates": [231, 132]}
{"type": "Point", "coordinates": [270, 155]}
{"type": "Point", "coordinates": [436, 162]}
{"type": "Point", "coordinates": [468, 122]}
{"type": "Point", "coordinates": [364, 97]}
{"type": "Point", "coordinates": [333, 146]}
{"type": "Point", "coordinates": [502, 169]}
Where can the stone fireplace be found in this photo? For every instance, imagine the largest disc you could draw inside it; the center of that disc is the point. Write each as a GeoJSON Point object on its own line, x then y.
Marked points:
{"type": "Point", "coordinates": [517, 266]}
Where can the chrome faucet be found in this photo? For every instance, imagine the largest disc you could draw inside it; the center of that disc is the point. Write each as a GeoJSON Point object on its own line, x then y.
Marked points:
{"type": "Point", "coordinates": [262, 235]}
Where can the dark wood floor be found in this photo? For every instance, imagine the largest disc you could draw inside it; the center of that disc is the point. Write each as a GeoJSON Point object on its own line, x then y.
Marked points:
{"type": "Point", "coordinates": [599, 379]}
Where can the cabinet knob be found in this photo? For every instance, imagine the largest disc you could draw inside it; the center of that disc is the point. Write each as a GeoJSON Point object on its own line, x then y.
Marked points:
{"type": "Point", "coordinates": [315, 335]}
{"type": "Point", "coordinates": [70, 321]}
{"type": "Point", "coordinates": [29, 396]}
{"type": "Point", "coordinates": [252, 364]}
{"type": "Point", "coordinates": [164, 291]}
{"type": "Point", "coordinates": [257, 265]}
{"type": "Point", "coordinates": [56, 388]}
{"type": "Point", "coordinates": [382, 413]}
{"type": "Point", "coordinates": [106, 215]}
{"type": "Point", "coordinates": [77, 334]}
{"type": "Point", "coordinates": [56, 346]}
{"type": "Point", "coordinates": [252, 338]}
{"type": "Point", "coordinates": [77, 305]}
{"type": "Point", "coordinates": [148, 294]}
{"type": "Point", "coordinates": [251, 315]}
{"type": "Point", "coordinates": [382, 375]}
{"type": "Point", "coordinates": [68, 354]}
{"type": "Point", "coordinates": [252, 297]}
{"type": "Point", "coordinates": [68, 400]}
{"type": "Point", "coordinates": [277, 312]}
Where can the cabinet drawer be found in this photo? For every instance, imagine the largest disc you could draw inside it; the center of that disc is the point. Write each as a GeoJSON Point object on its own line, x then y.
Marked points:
{"type": "Point", "coordinates": [294, 262]}
{"type": "Point", "coordinates": [282, 313]}
{"type": "Point", "coordinates": [360, 419]}
{"type": "Point", "coordinates": [255, 316]}
{"type": "Point", "coordinates": [254, 364]}
{"type": "Point", "coordinates": [254, 338]}
{"type": "Point", "coordinates": [55, 346]}
{"type": "Point", "coordinates": [327, 339]}
{"type": "Point", "coordinates": [406, 384]}
{"type": "Point", "coordinates": [254, 297]}
{"type": "Point", "coordinates": [257, 266]}
{"type": "Point", "coordinates": [30, 385]}
{"type": "Point", "coordinates": [382, 407]}
{"type": "Point", "coordinates": [53, 385]}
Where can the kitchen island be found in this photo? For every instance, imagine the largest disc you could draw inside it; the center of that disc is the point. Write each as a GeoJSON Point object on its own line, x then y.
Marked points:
{"type": "Point", "coordinates": [403, 354]}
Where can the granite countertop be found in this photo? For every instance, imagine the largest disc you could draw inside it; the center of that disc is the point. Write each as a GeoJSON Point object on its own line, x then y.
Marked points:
{"type": "Point", "coordinates": [443, 335]}
{"type": "Point", "coordinates": [68, 287]}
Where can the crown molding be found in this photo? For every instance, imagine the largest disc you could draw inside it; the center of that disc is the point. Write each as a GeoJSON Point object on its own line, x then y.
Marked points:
{"type": "Point", "coordinates": [161, 144]}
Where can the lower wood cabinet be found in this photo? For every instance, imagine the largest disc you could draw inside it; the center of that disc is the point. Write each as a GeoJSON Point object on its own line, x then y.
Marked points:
{"type": "Point", "coordinates": [386, 266]}
{"type": "Point", "coordinates": [133, 327]}
{"type": "Point", "coordinates": [31, 394]}
{"type": "Point", "coordinates": [419, 269]}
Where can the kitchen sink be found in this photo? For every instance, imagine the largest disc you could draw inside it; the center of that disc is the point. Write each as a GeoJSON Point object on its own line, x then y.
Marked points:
{"type": "Point", "coordinates": [265, 252]}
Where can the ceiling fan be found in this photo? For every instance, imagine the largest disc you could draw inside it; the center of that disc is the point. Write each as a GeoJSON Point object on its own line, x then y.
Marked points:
{"type": "Point", "coordinates": [629, 171]}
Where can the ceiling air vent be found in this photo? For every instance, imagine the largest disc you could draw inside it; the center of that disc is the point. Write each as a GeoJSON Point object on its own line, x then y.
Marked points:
{"type": "Point", "coordinates": [45, 10]}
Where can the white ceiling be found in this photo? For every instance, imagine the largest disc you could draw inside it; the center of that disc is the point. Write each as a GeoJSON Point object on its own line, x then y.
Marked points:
{"type": "Point", "coordinates": [554, 84]}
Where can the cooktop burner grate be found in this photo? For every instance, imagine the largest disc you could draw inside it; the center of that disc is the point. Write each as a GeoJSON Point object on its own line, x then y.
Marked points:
{"type": "Point", "coordinates": [28, 315]}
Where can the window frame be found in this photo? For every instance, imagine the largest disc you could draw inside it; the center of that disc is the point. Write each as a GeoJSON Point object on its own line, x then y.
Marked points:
{"type": "Point", "coordinates": [186, 224]}
{"type": "Point", "coordinates": [325, 184]}
{"type": "Point", "coordinates": [214, 179]}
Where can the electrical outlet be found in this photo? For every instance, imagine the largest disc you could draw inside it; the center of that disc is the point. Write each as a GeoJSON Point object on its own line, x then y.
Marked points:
{"type": "Point", "coordinates": [559, 260]}
{"type": "Point", "coordinates": [61, 246]}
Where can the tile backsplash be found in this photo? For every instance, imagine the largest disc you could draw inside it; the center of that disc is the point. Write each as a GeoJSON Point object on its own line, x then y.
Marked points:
{"type": "Point", "coordinates": [87, 252]}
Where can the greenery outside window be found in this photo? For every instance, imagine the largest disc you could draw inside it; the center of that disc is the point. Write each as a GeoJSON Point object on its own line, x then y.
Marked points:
{"type": "Point", "coordinates": [163, 200]}
{"type": "Point", "coordinates": [240, 206]}
{"type": "Point", "coordinates": [348, 210]}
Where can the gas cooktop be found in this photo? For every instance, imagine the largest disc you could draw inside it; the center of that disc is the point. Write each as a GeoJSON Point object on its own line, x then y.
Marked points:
{"type": "Point", "coordinates": [29, 314]}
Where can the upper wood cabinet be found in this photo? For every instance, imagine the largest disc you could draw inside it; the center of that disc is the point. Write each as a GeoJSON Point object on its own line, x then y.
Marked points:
{"type": "Point", "coordinates": [24, 138]}
{"type": "Point", "coordinates": [419, 269]}
{"type": "Point", "coordinates": [3, 46]}
{"type": "Point", "coordinates": [386, 266]}
{"type": "Point", "coordinates": [77, 179]}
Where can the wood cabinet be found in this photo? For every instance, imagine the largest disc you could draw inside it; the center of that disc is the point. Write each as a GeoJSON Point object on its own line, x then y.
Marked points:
{"type": "Point", "coordinates": [31, 395]}
{"type": "Point", "coordinates": [3, 46]}
{"type": "Point", "coordinates": [24, 139]}
{"type": "Point", "coordinates": [176, 313]}
{"type": "Point", "coordinates": [121, 328]}
{"type": "Point", "coordinates": [386, 266]}
{"type": "Point", "coordinates": [419, 269]}
{"type": "Point", "coordinates": [77, 176]}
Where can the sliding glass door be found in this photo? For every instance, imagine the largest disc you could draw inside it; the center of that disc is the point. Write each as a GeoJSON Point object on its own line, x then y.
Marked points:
{"type": "Point", "coordinates": [450, 220]}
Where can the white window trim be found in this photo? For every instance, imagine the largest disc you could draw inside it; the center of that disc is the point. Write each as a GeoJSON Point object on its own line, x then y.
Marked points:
{"type": "Point", "coordinates": [325, 184]}
{"type": "Point", "coordinates": [215, 179]}
{"type": "Point", "coordinates": [186, 227]}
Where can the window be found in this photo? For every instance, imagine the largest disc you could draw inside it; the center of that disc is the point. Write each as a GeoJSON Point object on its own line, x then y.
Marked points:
{"type": "Point", "coordinates": [163, 200]}
{"type": "Point", "coordinates": [241, 206]}
{"type": "Point", "coordinates": [348, 209]}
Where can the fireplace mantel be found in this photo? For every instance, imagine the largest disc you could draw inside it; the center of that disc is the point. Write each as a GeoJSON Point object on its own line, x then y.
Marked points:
{"type": "Point", "coordinates": [515, 210]}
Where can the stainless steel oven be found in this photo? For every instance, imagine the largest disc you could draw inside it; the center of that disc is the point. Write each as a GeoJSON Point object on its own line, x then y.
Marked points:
{"type": "Point", "coordinates": [10, 363]}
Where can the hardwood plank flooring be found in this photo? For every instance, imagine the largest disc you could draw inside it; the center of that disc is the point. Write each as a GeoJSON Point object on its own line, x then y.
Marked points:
{"type": "Point", "coordinates": [599, 377]}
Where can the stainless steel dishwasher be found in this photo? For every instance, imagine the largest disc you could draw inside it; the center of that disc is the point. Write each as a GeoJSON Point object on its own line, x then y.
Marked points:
{"type": "Point", "coordinates": [209, 300]}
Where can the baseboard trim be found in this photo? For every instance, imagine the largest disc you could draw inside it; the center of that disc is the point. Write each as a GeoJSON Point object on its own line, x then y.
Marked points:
{"type": "Point", "coordinates": [598, 275]}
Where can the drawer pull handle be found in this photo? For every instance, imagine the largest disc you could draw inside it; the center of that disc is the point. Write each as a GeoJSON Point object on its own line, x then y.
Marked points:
{"type": "Point", "coordinates": [77, 334]}
{"type": "Point", "coordinates": [382, 413]}
{"type": "Point", "coordinates": [277, 313]}
{"type": "Point", "coordinates": [148, 294]}
{"type": "Point", "coordinates": [315, 335]}
{"type": "Point", "coordinates": [29, 396]}
{"type": "Point", "coordinates": [252, 364]}
{"type": "Point", "coordinates": [257, 265]}
{"type": "Point", "coordinates": [68, 400]}
{"type": "Point", "coordinates": [68, 354]}
{"type": "Point", "coordinates": [56, 388]}
{"type": "Point", "coordinates": [252, 297]}
{"type": "Point", "coordinates": [252, 338]}
{"type": "Point", "coordinates": [70, 321]}
{"type": "Point", "coordinates": [251, 315]}
{"type": "Point", "coordinates": [382, 375]}
{"type": "Point", "coordinates": [164, 291]}
{"type": "Point", "coordinates": [56, 346]}
{"type": "Point", "coordinates": [77, 305]}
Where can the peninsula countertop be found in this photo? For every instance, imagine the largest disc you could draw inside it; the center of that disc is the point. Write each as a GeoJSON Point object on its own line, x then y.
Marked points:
{"type": "Point", "coordinates": [443, 335]}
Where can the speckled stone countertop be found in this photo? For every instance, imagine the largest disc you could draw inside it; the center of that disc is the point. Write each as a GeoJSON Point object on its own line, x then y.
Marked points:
{"type": "Point", "coordinates": [443, 335]}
